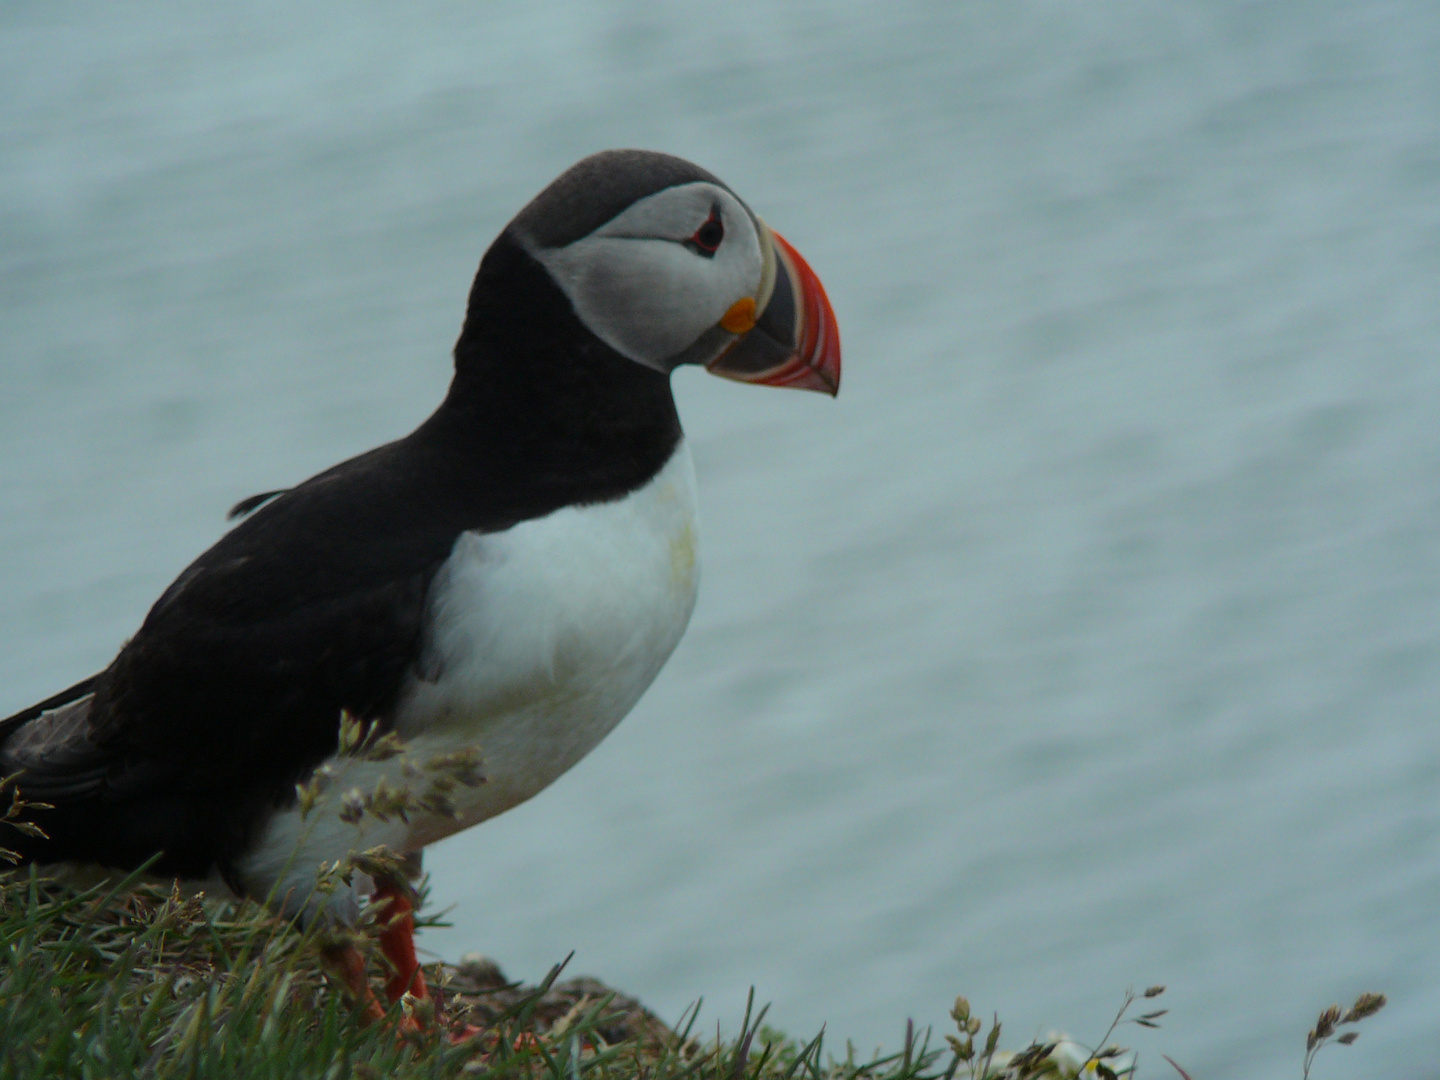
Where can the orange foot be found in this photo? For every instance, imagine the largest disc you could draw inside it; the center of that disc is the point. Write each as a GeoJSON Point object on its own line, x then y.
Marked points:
{"type": "Point", "coordinates": [397, 943]}
{"type": "Point", "coordinates": [346, 963]}
{"type": "Point", "coordinates": [489, 1040]}
{"type": "Point", "coordinates": [397, 940]}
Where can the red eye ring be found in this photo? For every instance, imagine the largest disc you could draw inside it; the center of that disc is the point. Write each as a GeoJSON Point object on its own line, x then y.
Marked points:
{"type": "Point", "coordinates": [708, 237]}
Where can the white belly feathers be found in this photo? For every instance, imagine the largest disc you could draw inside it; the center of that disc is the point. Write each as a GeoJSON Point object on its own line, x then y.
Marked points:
{"type": "Point", "coordinates": [544, 636]}
{"type": "Point", "coordinates": [540, 639]}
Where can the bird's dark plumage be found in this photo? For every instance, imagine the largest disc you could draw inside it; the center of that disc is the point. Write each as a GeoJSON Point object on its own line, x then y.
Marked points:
{"type": "Point", "coordinates": [593, 191]}
{"type": "Point", "coordinates": [515, 570]}
{"type": "Point", "coordinates": [230, 691]}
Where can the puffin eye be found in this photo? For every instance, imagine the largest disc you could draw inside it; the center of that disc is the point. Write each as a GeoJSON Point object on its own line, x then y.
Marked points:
{"type": "Point", "coordinates": [707, 238]}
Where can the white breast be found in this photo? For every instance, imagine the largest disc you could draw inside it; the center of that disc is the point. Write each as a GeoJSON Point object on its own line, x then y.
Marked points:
{"type": "Point", "coordinates": [544, 636]}
{"type": "Point", "coordinates": [540, 639]}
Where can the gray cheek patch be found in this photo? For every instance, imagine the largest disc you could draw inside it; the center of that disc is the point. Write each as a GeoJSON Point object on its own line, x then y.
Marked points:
{"type": "Point", "coordinates": [644, 298]}
{"type": "Point", "coordinates": [639, 287]}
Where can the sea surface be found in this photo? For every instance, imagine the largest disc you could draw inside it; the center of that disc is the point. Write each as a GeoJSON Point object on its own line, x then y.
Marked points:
{"type": "Point", "coordinates": [1089, 640]}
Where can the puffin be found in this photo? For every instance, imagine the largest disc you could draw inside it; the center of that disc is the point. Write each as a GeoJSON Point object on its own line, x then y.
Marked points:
{"type": "Point", "coordinates": [426, 635]}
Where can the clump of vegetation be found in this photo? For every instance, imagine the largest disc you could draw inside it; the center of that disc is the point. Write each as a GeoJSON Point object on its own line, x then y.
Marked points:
{"type": "Point", "coordinates": [125, 978]}
{"type": "Point", "coordinates": [1331, 1020]}
{"type": "Point", "coordinates": [1056, 1057]}
{"type": "Point", "coordinates": [129, 979]}
{"type": "Point", "coordinates": [14, 817]}
{"type": "Point", "coordinates": [436, 777]}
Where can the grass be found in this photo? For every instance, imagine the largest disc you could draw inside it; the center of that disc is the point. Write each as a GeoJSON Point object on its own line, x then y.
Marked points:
{"type": "Point", "coordinates": [124, 978]}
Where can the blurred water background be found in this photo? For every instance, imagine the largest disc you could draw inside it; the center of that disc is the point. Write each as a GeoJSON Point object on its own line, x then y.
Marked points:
{"type": "Point", "coordinates": [1091, 639]}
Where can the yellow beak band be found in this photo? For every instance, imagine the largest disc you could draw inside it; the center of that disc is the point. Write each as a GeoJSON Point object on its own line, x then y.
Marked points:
{"type": "Point", "coordinates": [740, 319]}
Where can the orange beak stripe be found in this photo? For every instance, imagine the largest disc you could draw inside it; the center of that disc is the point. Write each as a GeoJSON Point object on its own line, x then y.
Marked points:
{"type": "Point", "coordinates": [816, 361]}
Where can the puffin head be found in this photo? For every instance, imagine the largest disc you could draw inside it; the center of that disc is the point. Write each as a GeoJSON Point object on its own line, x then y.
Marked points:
{"type": "Point", "coordinates": [666, 265]}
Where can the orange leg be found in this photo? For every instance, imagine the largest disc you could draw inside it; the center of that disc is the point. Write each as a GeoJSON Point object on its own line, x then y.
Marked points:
{"type": "Point", "coordinates": [348, 965]}
{"type": "Point", "coordinates": [397, 941]}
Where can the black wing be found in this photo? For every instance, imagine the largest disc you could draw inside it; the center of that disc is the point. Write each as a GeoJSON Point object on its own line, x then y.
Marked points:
{"type": "Point", "coordinates": [232, 689]}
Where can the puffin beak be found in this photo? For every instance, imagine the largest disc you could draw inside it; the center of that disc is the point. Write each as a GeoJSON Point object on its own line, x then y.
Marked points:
{"type": "Point", "coordinates": [787, 335]}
